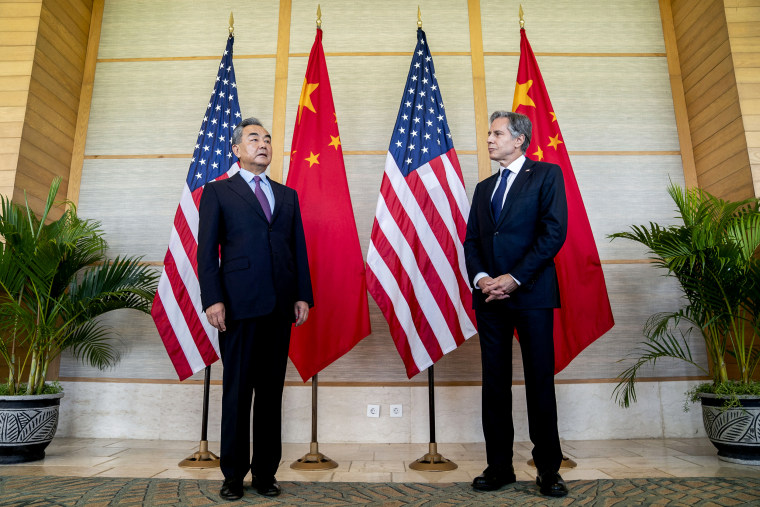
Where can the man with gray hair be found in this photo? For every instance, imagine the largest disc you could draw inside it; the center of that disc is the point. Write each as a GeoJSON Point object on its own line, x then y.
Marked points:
{"type": "Point", "coordinates": [252, 294]}
{"type": "Point", "coordinates": [517, 224]}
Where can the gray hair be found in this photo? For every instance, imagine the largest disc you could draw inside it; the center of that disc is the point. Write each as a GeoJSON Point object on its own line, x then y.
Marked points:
{"type": "Point", "coordinates": [518, 124]}
{"type": "Point", "coordinates": [237, 134]}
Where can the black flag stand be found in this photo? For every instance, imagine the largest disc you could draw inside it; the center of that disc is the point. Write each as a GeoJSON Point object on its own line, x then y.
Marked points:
{"type": "Point", "coordinates": [314, 460]}
{"type": "Point", "coordinates": [203, 458]}
{"type": "Point", "coordinates": [432, 461]}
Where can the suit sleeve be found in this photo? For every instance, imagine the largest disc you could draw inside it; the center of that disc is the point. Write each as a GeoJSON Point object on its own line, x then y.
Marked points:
{"type": "Point", "coordinates": [472, 246]}
{"type": "Point", "coordinates": [208, 248]}
{"type": "Point", "coordinates": [551, 229]}
{"type": "Point", "coordinates": [302, 260]}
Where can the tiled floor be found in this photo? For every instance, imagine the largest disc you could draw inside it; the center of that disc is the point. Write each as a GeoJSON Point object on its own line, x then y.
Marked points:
{"type": "Point", "coordinates": [596, 459]}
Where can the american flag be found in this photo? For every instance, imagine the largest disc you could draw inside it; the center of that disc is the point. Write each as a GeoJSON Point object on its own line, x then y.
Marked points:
{"type": "Point", "coordinates": [192, 343]}
{"type": "Point", "coordinates": [415, 263]}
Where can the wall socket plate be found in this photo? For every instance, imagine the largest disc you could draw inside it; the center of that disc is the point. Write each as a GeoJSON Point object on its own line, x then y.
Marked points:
{"type": "Point", "coordinates": [397, 410]}
{"type": "Point", "coordinates": [373, 410]}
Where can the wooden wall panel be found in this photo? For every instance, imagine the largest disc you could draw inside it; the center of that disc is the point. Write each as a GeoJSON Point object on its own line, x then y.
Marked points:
{"type": "Point", "coordinates": [18, 34]}
{"type": "Point", "coordinates": [712, 98]}
{"type": "Point", "coordinates": [743, 20]}
{"type": "Point", "coordinates": [53, 99]}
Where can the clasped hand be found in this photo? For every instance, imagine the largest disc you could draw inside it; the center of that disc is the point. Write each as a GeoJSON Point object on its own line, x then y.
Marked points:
{"type": "Point", "coordinates": [497, 288]}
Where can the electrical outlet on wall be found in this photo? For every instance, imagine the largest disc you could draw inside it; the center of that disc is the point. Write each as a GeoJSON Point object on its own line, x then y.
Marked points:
{"type": "Point", "coordinates": [373, 410]}
{"type": "Point", "coordinates": [396, 410]}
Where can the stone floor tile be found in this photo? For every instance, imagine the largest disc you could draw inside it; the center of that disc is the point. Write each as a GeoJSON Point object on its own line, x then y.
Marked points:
{"type": "Point", "coordinates": [362, 477]}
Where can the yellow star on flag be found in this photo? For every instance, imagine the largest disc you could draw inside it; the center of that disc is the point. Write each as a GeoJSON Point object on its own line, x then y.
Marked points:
{"type": "Point", "coordinates": [554, 116]}
{"type": "Point", "coordinates": [554, 141]}
{"type": "Point", "coordinates": [521, 95]}
{"type": "Point", "coordinates": [305, 100]}
{"type": "Point", "coordinates": [312, 159]}
{"type": "Point", "coordinates": [539, 153]}
{"type": "Point", "coordinates": [335, 142]}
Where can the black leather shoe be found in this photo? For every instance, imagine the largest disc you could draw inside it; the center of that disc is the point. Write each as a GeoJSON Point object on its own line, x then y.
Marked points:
{"type": "Point", "coordinates": [492, 479]}
{"type": "Point", "coordinates": [231, 490]}
{"type": "Point", "coordinates": [551, 484]}
{"type": "Point", "coordinates": [266, 488]}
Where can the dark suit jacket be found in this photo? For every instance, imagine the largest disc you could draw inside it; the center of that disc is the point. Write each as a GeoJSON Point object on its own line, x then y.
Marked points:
{"type": "Point", "coordinates": [264, 266]}
{"type": "Point", "coordinates": [530, 231]}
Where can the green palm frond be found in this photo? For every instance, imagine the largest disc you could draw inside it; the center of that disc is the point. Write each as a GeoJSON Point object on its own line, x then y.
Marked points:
{"type": "Point", "coordinates": [664, 345]}
{"type": "Point", "coordinates": [55, 280]}
{"type": "Point", "coordinates": [92, 343]}
{"type": "Point", "coordinates": [713, 254]}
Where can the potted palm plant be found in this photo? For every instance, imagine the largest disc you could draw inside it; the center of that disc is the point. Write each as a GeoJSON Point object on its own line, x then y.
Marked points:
{"type": "Point", "coordinates": [713, 253]}
{"type": "Point", "coordinates": [55, 281]}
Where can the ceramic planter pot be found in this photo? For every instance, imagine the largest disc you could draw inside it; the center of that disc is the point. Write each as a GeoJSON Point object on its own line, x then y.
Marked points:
{"type": "Point", "coordinates": [27, 426]}
{"type": "Point", "coordinates": [734, 431]}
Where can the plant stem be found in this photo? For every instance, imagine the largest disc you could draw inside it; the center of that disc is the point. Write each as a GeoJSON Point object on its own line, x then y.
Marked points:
{"type": "Point", "coordinates": [32, 373]}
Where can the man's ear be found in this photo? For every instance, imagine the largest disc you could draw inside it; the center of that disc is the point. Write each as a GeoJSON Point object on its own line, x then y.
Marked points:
{"type": "Point", "coordinates": [236, 150]}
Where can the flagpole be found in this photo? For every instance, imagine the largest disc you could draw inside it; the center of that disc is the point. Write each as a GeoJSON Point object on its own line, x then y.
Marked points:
{"type": "Point", "coordinates": [566, 462]}
{"type": "Point", "coordinates": [203, 458]}
{"type": "Point", "coordinates": [314, 460]}
{"type": "Point", "coordinates": [432, 461]}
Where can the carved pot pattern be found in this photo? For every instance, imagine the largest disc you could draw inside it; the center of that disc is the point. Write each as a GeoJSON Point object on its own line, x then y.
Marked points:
{"type": "Point", "coordinates": [27, 426]}
{"type": "Point", "coordinates": [735, 432]}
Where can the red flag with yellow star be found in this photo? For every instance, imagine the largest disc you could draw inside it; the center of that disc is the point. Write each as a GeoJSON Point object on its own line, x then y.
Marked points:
{"type": "Point", "coordinates": [585, 314]}
{"type": "Point", "coordinates": [340, 317]}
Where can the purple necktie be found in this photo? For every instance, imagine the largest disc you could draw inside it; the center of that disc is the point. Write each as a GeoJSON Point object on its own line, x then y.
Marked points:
{"type": "Point", "coordinates": [261, 196]}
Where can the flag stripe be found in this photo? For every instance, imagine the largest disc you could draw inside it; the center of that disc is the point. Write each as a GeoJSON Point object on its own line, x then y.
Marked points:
{"type": "Point", "coordinates": [182, 276]}
{"type": "Point", "coordinates": [191, 342]}
{"type": "Point", "coordinates": [180, 330]}
{"type": "Point", "coordinates": [448, 238]}
{"type": "Point", "coordinates": [416, 259]}
{"type": "Point", "coordinates": [392, 278]}
{"type": "Point", "coordinates": [454, 190]}
{"type": "Point", "coordinates": [183, 235]}
{"type": "Point", "coordinates": [408, 233]}
{"type": "Point", "coordinates": [429, 243]}
{"type": "Point", "coordinates": [173, 347]}
{"type": "Point", "coordinates": [400, 338]}
{"type": "Point", "coordinates": [401, 264]}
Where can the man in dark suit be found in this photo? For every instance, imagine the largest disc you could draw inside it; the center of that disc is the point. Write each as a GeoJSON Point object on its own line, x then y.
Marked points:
{"type": "Point", "coordinates": [517, 224]}
{"type": "Point", "coordinates": [253, 296]}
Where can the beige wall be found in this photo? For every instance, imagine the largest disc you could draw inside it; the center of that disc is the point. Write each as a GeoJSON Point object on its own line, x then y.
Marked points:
{"type": "Point", "coordinates": [607, 76]}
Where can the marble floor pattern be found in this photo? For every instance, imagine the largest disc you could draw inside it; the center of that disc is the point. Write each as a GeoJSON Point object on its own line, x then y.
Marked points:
{"type": "Point", "coordinates": [596, 459]}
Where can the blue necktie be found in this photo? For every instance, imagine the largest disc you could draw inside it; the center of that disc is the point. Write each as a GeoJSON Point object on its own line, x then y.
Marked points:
{"type": "Point", "coordinates": [498, 197]}
{"type": "Point", "coordinates": [261, 196]}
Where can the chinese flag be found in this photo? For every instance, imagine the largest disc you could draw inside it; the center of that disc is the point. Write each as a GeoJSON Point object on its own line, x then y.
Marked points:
{"type": "Point", "coordinates": [585, 314]}
{"type": "Point", "coordinates": [340, 317]}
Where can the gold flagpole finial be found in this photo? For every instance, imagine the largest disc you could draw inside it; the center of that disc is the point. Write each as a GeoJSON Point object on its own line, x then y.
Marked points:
{"type": "Point", "coordinates": [522, 19]}
{"type": "Point", "coordinates": [232, 25]}
{"type": "Point", "coordinates": [319, 16]}
{"type": "Point", "coordinates": [419, 17]}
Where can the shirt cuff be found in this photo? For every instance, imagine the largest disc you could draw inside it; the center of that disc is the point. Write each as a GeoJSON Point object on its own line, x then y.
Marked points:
{"type": "Point", "coordinates": [477, 279]}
